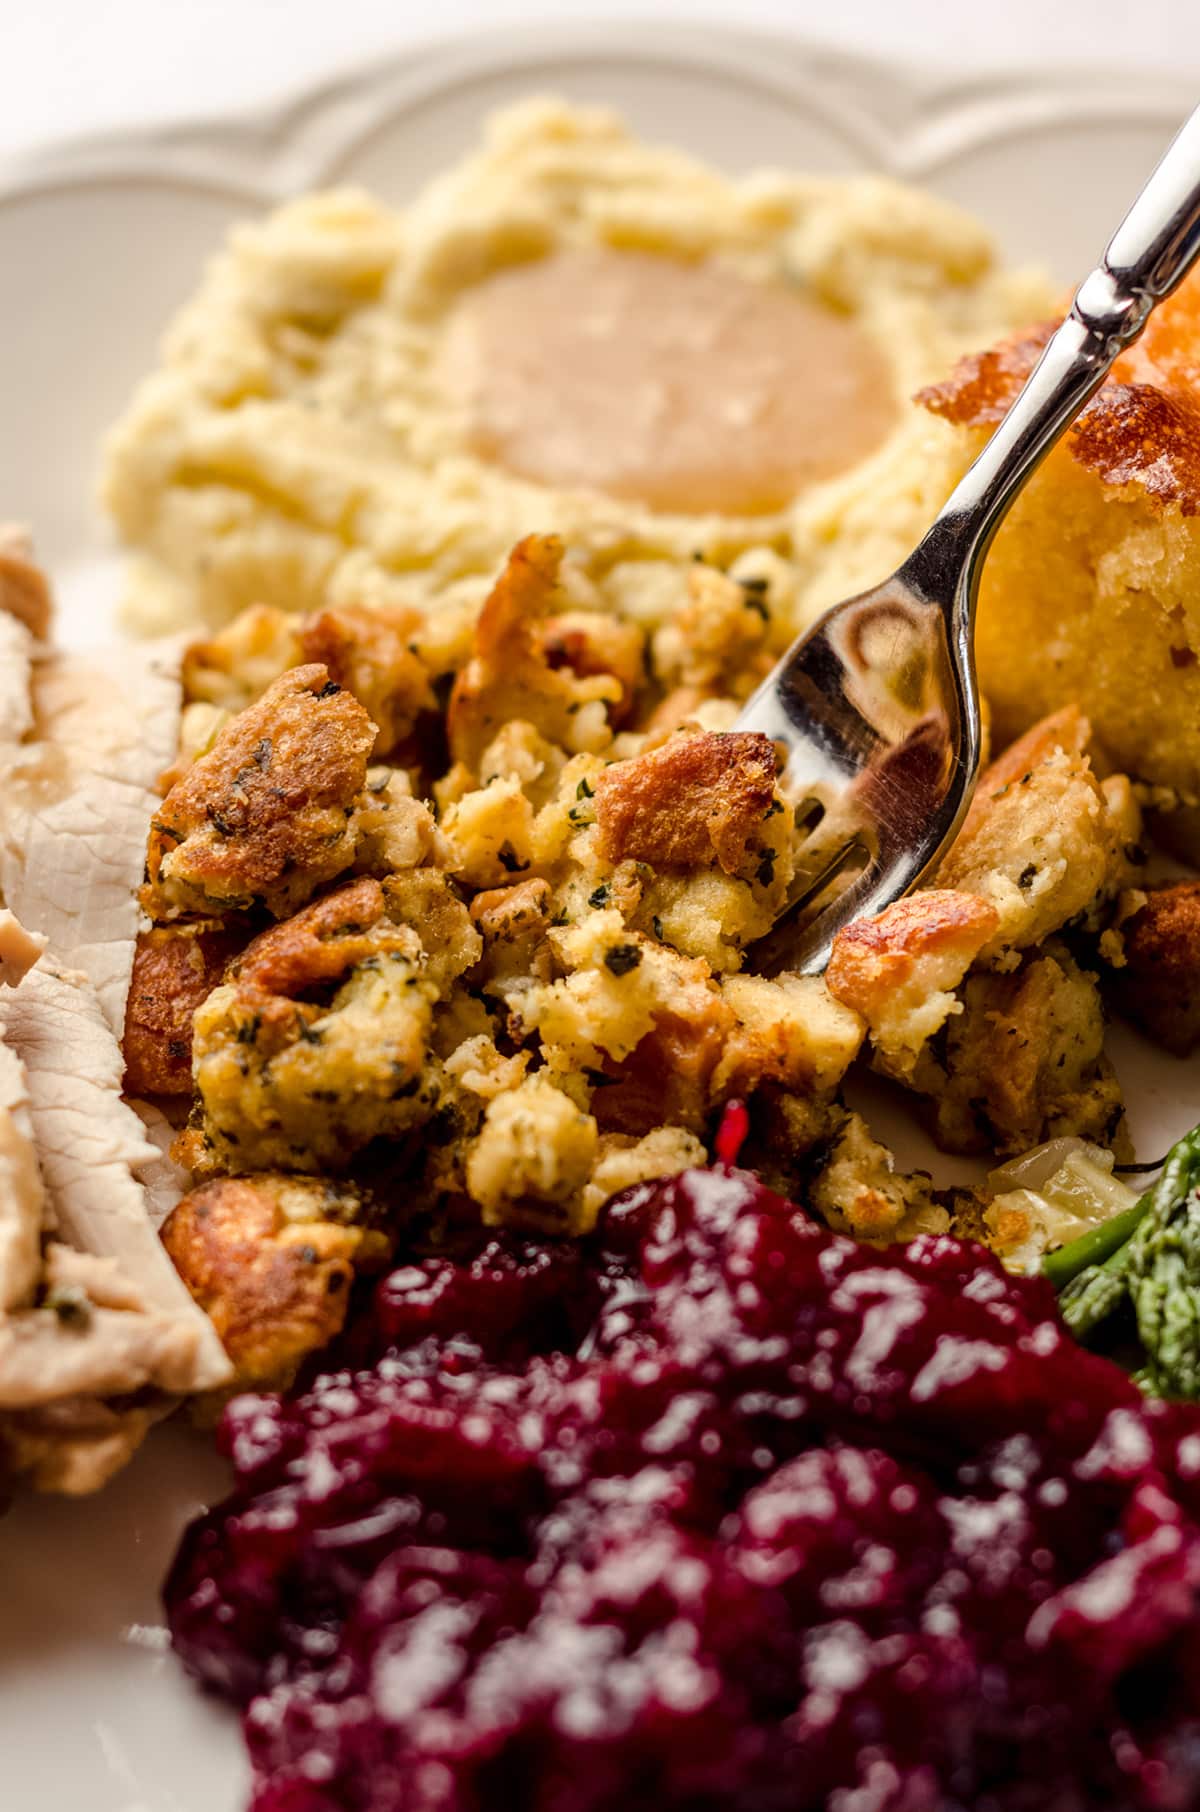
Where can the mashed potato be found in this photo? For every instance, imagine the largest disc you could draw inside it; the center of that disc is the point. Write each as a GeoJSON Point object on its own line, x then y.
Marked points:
{"type": "Point", "coordinates": [301, 445]}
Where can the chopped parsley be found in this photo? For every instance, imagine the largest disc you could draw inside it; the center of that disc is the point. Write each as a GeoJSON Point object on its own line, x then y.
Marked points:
{"type": "Point", "coordinates": [756, 596]}
{"type": "Point", "coordinates": [619, 959]}
{"type": "Point", "coordinates": [72, 1307]}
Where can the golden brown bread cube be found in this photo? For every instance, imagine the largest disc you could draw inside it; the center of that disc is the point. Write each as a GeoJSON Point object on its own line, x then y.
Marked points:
{"type": "Point", "coordinates": [900, 968]}
{"type": "Point", "coordinates": [1046, 840]}
{"type": "Point", "coordinates": [1159, 988]}
{"type": "Point", "coordinates": [701, 798]}
{"type": "Point", "coordinates": [266, 816]}
{"type": "Point", "coordinates": [591, 644]}
{"type": "Point", "coordinates": [175, 969]}
{"type": "Point", "coordinates": [319, 1041]}
{"type": "Point", "coordinates": [1045, 845]}
{"type": "Point", "coordinates": [667, 1077]}
{"type": "Point", "coordinates": [513, 921]}
{"type": "Point", "coordinates": [369, 651]}
{"type": "Point", "coordinates": [1025, 1060]}
{"type": "Point", "coordinates": [512, 676]}
{"type": "Point", "coordinates": [271, 1259]}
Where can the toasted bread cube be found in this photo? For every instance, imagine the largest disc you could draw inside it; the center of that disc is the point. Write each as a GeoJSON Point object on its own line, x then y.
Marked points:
{"type": "Point", "coordinates": [1159, 987]}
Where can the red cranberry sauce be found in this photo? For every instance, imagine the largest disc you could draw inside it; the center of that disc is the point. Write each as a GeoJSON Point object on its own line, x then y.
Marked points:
{"type": "Point", "coordinates": [724, 1514]}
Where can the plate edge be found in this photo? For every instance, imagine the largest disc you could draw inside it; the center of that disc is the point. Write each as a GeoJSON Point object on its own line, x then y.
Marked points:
{"type": "Point", "coordinates": [899, 118]}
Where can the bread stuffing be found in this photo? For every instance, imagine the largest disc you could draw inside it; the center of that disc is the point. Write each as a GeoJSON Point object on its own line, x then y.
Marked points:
{"type": "Point", "coordinates": [1158, 982]}
{"type": "Point", "coordinates": [969, 992]}
{"type": "Point", "coordinates": [507, 965]}
{"type": "Point", "coordinates": [270, 1259]}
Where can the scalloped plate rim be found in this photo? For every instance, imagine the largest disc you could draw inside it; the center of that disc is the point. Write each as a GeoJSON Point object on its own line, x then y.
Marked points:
{"type": "Point", "coordinates": [1000, 103]}
{"type": "Point", "coordinates": [137, 1737]}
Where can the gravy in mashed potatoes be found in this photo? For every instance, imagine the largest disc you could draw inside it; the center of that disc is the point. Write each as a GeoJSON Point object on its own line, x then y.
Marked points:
{"type": "Point", "coordinates": [679, 384]}
{"type": "Point", "coordinates": [569, 331]}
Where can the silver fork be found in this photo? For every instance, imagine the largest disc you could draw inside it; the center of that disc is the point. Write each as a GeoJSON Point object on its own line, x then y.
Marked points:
{"type": "Point", "coordinates": [877, 706]}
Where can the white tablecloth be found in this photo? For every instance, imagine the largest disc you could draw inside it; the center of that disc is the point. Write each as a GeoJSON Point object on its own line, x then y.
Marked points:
{"type": "Point", "coordinates": [75, 66]}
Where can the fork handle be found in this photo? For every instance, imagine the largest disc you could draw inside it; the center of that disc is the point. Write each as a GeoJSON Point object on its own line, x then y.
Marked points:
{"type": "Point", "coordinates": [1149, 254]}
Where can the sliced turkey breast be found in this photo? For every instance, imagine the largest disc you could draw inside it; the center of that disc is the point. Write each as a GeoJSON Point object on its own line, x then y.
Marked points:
{"type": "Point", "coordinates": [76, 801]}
{"type": "Point", "coordinates": [163, 1180]}
{"type": "Point", "coordinates": [91, 1146]}
{"type": "Point", "coordinates": [83, 739]}
{"type": "Point", "coordinates": [108, 1353]}
{"type": "Point", "coordinates": [75, 1445]}
{"type": "Point", "coordinates": [21, 1198]}
{"type": "Point", "coordinates": [91, 1307]}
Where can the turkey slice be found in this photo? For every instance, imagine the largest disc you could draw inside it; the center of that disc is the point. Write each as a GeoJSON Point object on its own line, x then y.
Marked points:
{"type": "Point", "coordinates": [77, 802]}
{"type": "Point", "coordinates": [164, 1180]}
{"type": "Point", "coordinates": [76, 1445]}
{"type": "Point", "coordinates": [90, 1145]}
{"type": "Point", "coordinates": [44, 1359]}
{"type": "Point", "coordinates": [22, 1202]}
{"type": "Point", "coordinates": [21, 1199]}
{"type": "Point", "coordinates": [91, 1307]}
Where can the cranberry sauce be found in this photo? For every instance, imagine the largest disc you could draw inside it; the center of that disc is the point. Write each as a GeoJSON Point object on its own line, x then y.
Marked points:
{"type": "Point", "coordinates": [725, 1513]}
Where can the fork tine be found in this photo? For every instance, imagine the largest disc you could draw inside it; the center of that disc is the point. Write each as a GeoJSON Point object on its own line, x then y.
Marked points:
{"type": "Point", "coordinates": [794, 946]}
{"type": "Point", "coordinates": [808, 813]}
{"type": "Point", "coordinates": [834, 866]}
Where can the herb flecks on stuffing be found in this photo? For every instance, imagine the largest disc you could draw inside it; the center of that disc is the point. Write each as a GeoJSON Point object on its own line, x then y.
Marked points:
{"type": "Point", "coordinates": [974, 992]}
{"type": "Point", "coordinates": [513, 964]}
{"type": "Point", "coordinates": [521, 672]}
{"type": "Point", "coordinates": [320, 1041]}
{"type": "Point", "coordinates": [266, 816]}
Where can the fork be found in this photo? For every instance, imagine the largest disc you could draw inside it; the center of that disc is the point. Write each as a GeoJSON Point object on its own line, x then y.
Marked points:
{"type": "Point", "coordinates": [877, 706]}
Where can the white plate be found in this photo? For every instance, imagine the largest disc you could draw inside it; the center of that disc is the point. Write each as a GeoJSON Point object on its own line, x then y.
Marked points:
{"type": "Point", "coordinates": [98, 243]}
